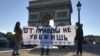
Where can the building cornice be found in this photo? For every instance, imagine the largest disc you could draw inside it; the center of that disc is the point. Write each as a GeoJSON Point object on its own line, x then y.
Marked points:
{"type": "Point", "coordinates": [51, 3]}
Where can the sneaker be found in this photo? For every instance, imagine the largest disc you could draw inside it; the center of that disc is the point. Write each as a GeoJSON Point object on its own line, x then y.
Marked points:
{"type": "Point", "coordinates": [80, 55]}
{"type": "Point", "coordinates": [17, 54]}
{"type": "Point", "coordinates": [13, 54]}
{"type": "Point", "coordinates": [47, 54]}
{"type": "Point", "coordinates": [75, 55]}
{"type": "Point", "coordinates": [42, 53]}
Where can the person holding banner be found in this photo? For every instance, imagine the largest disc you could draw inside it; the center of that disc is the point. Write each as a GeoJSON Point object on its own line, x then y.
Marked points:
{"type": "Point", "coordinates": [17, 38]}
{"type": "Point", "coordinates": [79, 38]}
{"type": "Point", "coordinates": [46, 43]}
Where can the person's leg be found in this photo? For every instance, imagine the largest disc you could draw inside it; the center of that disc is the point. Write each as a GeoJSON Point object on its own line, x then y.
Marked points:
{"type": "Point", "coordinates": [17, 50]}
{"type": "Point", "coordinates": [77, 51]}
{"type": "Point", "coordinates": [81, 50]}
{"type": "Point", "coordinates": [14, 50]}
{"type": "Point", "coordinates": [47, 51]}
{"type": "Point", "coordinates": [42, 51]}
{"type": "Point", "coordinates": [78, 48]}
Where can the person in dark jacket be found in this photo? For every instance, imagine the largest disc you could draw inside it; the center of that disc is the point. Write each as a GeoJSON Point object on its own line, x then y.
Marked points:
{"type": "Point", "coordinates": [79, 38]}
{"type": "Point", "coordinates": [17, 38]}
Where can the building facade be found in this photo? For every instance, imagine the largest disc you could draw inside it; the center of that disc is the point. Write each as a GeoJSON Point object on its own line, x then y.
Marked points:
{"type": "Point", "coordinates": [45, 10]}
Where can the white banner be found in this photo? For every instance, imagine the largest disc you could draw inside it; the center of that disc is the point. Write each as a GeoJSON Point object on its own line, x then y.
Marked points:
{"type": "Point", "coordinates": [61, 35]}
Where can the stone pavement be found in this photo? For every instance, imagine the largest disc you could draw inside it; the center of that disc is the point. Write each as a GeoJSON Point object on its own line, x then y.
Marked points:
{"type": "Point", "coordinates": [51, 54]}
{"type": "Point", "coordinates": [88, 50]}
{"type": "Point", "coordinates": [58, 53]}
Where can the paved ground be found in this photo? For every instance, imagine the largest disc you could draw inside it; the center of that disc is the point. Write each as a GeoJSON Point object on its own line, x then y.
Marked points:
{"type": "Point", "coordinates": [89, 50]}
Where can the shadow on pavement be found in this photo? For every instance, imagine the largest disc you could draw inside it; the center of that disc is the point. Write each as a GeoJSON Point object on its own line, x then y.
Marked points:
{"type": "Point", "coordinates": [53, 52]}
{"type": "Point", "coordinates": [91, 49]}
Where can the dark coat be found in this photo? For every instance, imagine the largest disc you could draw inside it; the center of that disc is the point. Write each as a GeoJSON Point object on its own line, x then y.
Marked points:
{"type": "Point", "coordinates": [18, 36]}
{"type": "Point", "coordinates": [79, 34]}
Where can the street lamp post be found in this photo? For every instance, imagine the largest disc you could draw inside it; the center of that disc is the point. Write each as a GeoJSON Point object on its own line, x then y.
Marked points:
{"type": "Point", "coordinates": [78, 8]}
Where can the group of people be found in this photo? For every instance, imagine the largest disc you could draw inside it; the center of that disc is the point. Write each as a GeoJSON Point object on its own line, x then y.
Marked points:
{"type": "Point", "coordinates": [18, 39]}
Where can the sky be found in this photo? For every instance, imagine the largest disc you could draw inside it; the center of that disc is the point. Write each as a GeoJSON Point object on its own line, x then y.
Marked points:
{"type": "Point", "coordinates": [12, 11]}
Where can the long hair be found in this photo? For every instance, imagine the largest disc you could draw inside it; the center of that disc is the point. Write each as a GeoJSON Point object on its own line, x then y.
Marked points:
{"type": "Point", "coordinates": [17, 27]}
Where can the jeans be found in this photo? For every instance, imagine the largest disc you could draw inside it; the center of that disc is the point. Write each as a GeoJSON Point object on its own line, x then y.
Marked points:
{"type": "Point", "coordinates": [47, 51]}
{"type": "Point", "coordinates": [16, 48]}
{"type": "Point", "coordinates": [79, 47]}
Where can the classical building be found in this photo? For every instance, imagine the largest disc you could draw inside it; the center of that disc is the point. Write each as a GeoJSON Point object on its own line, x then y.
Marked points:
{"type": "Point", "coordinates": [45, 10]}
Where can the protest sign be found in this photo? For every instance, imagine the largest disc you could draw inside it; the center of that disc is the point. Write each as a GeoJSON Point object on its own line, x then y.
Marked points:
{"type": "Point", "coordinates": [61, 35]}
